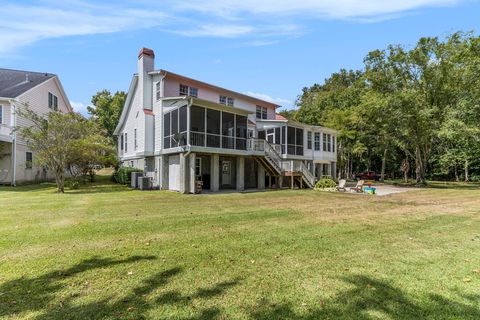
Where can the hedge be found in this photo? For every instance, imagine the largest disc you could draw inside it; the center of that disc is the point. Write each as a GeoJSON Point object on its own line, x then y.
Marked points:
{"type": "Point", "coordinates": [123, 175]}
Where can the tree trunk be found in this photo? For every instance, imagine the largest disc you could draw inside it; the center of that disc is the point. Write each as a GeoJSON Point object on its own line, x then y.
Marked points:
{"type": "Point", "coordinates": [455, 171]}
{"type": "Point", "coordinates": [384, 161]}
{"type": "Point", "coordinates": [419, 168]}
{"type": "Point", "coordinates": [60, 180]}
{"type": "Point", "coordinates": [466, 165]}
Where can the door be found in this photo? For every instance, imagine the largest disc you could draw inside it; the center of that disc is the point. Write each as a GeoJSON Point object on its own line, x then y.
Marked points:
{"type": "Point", "coordinates": [226, 172]}
{"type": "Point", "coordinates": [174, 173]}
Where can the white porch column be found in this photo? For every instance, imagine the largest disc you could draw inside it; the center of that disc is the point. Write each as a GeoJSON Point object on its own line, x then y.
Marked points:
{"type": "Point", "coordinates": [214, 172]}
{"type": "Point", "coordinates": [163, 172]}
{"type": "Point", "coordinates": [261, 177]}
{"type": "Point", "coordinates": [240, 173]}
{"type": "Point", "coordinates": [334, 170]}
{"type": "Point", "coordinates": [191, 173]}
{"type": "Point", "coordinates": [183, 174]}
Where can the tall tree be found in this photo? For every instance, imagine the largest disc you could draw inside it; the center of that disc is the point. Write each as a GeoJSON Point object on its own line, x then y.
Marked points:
{"type": "Point", "coordinates": [61, 141]}
{"type": "Point", "coordinates": [106, 109]}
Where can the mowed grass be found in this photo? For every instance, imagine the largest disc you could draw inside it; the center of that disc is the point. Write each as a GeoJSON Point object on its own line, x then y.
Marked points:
{"type": "Point", "coordinates": [107, 252]}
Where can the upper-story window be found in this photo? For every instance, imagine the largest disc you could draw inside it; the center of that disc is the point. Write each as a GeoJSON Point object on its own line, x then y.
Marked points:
{"type": "Point", "coordinates": [327, 142]}
{"type": "Point", "coordinates": [157, 90]}
{"type": "Point", "coordinates": [309, 140]}
{"type": "Point", "coordinates": [188, 91]}
{"type": "Point", "coordinates": [193, 92]}
{"type": "Point", "coordinates": [125, 139]}
{"type": "Point", "coordinates": [52, 101]}
{"type": "Point", "coordinates": [121, 142]}
{"type": "Point", "coordinates": [317, 141]}
{"type": "Point", "coordinates": [1, 114]}
{"type": "Point", "coordinates": [228, 101]}
{"type": "Point", "coordinates": [261, 112]}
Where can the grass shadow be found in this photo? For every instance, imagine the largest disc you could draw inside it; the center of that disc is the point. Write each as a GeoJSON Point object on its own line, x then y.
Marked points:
{"type": "Point", "coordinates": [370, 299]}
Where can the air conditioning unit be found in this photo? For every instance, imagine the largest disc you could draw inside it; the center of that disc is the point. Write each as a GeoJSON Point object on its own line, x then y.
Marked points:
{"type": "Point", "coordinates": [145, 183]}
{"type": "Point", "coordinates": [134, 177]}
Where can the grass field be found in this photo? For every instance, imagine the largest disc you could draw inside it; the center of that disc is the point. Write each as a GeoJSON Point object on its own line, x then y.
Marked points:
{"type": "Point", "coordinates": [106, 252]}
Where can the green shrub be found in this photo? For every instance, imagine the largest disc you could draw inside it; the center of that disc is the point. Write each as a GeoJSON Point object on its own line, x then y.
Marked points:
{"type": "Point", "coordinates": [325, 183]}
{"type": "Point", "coordinates": [123, 175]}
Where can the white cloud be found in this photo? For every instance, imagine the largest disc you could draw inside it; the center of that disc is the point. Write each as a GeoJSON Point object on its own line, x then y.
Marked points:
{"type": "Point", "coordinates": [80, 108]}
{"type": "Point", "coordinates": [260, 22]}
{"type": "Point", "coordinates": [339, 9]}
{"type": "Point", "coordinates": [266, 97]}
{"type": "Point", "coordinates": [24, 24]}
{"type": "Point", "coordinates": [221, 31]}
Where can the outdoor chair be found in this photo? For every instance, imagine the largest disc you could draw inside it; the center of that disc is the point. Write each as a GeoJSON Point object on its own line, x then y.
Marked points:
{"type": "Point", "coordinates": [358, 187]}
{"type": "Point", "coordinates": [341, 185]}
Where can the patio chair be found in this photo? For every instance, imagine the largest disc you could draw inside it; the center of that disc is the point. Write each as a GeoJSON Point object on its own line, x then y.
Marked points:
{"type": "Point", "coordinates": [341, 185]}
{"type": "Point", "coordinates": [358, 187]}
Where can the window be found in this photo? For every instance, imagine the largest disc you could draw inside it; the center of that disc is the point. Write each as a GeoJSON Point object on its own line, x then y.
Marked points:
{"type": "Point", "coordinates": [261, 112]}
{"type": "Point", "coordinates": [309, 140]}
{"type": "Point", "coordinates": [157, 90]}
{"type": "Point", "coordinates": [121, 142]}
{"type": "Point", "coordinates": [333, 144]}
{"type": "Point", "coordinates": [230, 101]}
{"type": "Point", "coordinates": [52, 101]}
{"type": "Point", "coordinates": [325, 147]}
{"type": "Point", "coordinates": [188, 91]}
{"type": "Point", "coordinates": [193, 92]}
{"type": "Point", "coordinates": [183, 90]}
{"type": "Point", "coordinates": [329, 142]}
{"type": "Point", "coordinates": [223, 100]}
{"type": "Point", "coordinates": [28, 160]}
{"type": "Point", "coordinates": [135, 139]}
{"type": "Point", "coordinates": [125, 139]}
{"type": "Point", "coordinates": [317, 141]}
{"type": "Point", "coordinates": [1, 114]}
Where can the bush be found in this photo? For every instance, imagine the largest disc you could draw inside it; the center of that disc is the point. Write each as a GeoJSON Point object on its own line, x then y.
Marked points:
{"type": "Point", "coordinates": [325, 183]}
{"type": "Point", "coordinates": [123, 175]}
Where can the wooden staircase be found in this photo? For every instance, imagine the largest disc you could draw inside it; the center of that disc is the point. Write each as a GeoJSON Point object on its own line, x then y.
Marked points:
{"type": "Point", "coordinates": [275, 166]}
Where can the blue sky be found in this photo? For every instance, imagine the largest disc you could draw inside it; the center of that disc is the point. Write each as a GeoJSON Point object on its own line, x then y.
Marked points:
{"type": "Point", "coordinates": [268, 48]}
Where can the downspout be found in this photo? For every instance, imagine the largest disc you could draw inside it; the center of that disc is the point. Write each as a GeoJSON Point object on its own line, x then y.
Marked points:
{"type": "Point", "coordinates": [13, 124]}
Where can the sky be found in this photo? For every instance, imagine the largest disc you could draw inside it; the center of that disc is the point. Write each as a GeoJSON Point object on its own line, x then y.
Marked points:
{"type": "Point", "coordinates": [266, 48]}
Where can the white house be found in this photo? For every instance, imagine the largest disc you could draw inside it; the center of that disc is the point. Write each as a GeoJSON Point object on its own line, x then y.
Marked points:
{"type": "Point", "coordinates": [180, 131]}
{"type": "Point", "coordinates": [41, 92]}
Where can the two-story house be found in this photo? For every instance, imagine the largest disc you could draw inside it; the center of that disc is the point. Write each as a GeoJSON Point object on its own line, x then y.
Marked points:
{"type": "Point", "coordinates": [180, 130]}
{"type": "Point", "coordinates": [42, 93]}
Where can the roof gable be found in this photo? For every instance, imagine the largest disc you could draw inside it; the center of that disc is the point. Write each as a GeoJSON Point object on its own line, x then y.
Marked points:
{"type": "Point", "coordinates": [16, 82]}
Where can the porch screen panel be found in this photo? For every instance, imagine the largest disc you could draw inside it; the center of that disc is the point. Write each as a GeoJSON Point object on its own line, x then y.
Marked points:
{"type": "Point", "coordinates": [241, 122]}
{"type": "Point", "coordinates": [228, 130]}
{"type": "Point", "coordinates": [261, 134]}
{"type": "Point", "coordinates": [277, 135]}
{"type": "Point", "coordinates": [213, 128]}
{"type": "Point", "coordinates": [299, 142]}
{"type": "Point", "coordinates": [166, 131]}
{"type": "Point", "coordinates": [197, 126]}
{"type": "Point", "coordinates": [291, 147]}
{"type": "Point", "coordinates": [174, 121]}
{"type": "Point", "coordinates": [284, 140]}
{"type": "Point", "coordinates": [182, 124]}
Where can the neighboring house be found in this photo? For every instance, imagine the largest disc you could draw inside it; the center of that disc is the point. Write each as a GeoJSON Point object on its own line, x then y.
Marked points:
{"type": "Point", "coordinates": [180, 130]}
{"type": "Point", "coordinates": [42, 93]}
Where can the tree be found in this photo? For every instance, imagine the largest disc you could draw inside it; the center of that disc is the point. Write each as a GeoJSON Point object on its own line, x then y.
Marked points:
{"type": "Point", "coordinates": [106, 109]}
{"type": "Point", "coordinates": [62, 141]}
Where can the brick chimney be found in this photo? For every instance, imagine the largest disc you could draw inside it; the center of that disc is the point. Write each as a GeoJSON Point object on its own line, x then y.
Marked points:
{"type": "Point", "coordinates": [146, 60]}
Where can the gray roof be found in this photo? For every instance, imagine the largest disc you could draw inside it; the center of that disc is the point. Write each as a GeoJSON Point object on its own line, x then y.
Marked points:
{"type": "Point", "coordinates": [15, 82]}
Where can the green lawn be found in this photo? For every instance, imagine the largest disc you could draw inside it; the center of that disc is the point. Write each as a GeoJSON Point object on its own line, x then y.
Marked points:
{"type": "Point", "coordinates": [106, 252]}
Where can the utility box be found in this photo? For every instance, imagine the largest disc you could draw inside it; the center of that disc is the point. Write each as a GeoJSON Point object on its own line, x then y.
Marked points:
{"type": "Point", "coordinates": [134, 179]}
{"type": "Point", "coordinates": [145, 183]}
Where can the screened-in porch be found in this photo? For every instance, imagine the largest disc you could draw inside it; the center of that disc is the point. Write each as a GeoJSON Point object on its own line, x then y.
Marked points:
{"type": "Point", "coordinates": [285, 139]}
{"type": "Point", "coordinates": [204, 127]}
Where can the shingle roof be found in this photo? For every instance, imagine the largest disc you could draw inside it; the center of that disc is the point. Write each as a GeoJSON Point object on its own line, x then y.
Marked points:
{"type": "Point", "coordinates": [15, 82]}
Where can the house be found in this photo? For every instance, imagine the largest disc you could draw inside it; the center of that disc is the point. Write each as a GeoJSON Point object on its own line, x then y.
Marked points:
{"type": "Point", "coordinates": [41, 92]}
{"type": "Point", "coordinates": [181, 131]}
